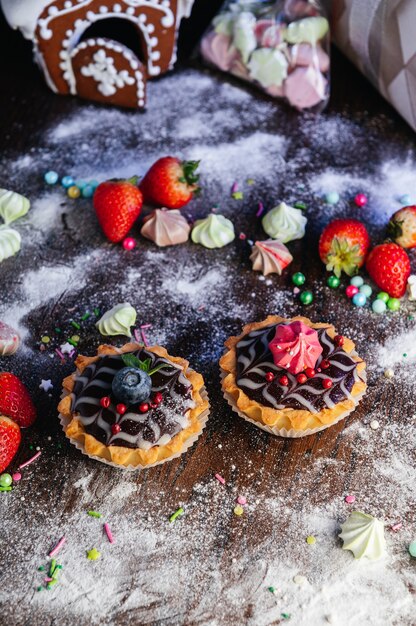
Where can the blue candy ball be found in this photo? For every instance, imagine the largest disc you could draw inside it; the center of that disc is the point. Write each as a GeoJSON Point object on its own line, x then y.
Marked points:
{"type": "Point", "coordinates": [332, 197]}
{"type": "Point", "coordinates": [67, 181]}
{"type": "Point", "coordinates": [359, 299]}
{"type": "Point", "coordinates": [87, 191]}
{"type": "Point", "coordinates": [51, 177]}
{"type": "Point", "coordinates": [357, 281]}
{"type": "Point", "coordinates": [132, 386]}
{"type": "Point", "coordinates": [80, 183]}
{"type": "Point", "coordinates": [366, 290]}
{"type": "Point", "coordinates": [405, 199]}
{"type": "Point", "coordinates": [94, 183]}
{"type": "Point", "coordinates": [379, 307]}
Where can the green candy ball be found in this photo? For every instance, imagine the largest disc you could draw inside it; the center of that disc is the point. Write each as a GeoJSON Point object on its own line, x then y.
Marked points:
{"type": "Point", "coordinates": [306, 297]}
{"type": "Point", "coordinates": [333, 282]}
{"type": "Point", "coordinates": [412, 549]}
{"type": "Point", "coordinates": [5, 480]}
{"type": "Point", "coordinates": [393, 304]}
{"type": "Point", "coordinates": [383, 296]}
{"type": "Point", "coordinates": [298, 279]}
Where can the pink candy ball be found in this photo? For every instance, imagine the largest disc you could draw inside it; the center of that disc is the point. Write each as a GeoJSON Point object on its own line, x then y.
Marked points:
{"type": "Point", "coordinates": [351, 290]}
{"type": "Point", "coordinates": [349, 499]}
{"type": "Point", "coordinates": [360, 199]}
{"type": "Point", "coordinates": [242, 500]}
{"type": "Point", "coordinates": [16, 477]}
{"type": "Point", "coordinates": [129, 243]}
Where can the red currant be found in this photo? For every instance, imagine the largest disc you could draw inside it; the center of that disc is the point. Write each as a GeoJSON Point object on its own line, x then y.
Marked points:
{"type": "Point", "coordinates": [105, 402]}
{"type": "Point", "coordinates": [269, 377]}
{"type": "Point", "coordinates": [143, 407]}
{"type": "Point", "coordinates": [301, 378]}
{"type": "Point", "coordinates": [325, 364]}
{"type": "Point", "coordinates": [339, 340]}
{"type": "Point", "coordinates": [121, 409]}
{"type": "Point", "coordinates": [310, 372]}
{"type": "Point", "coordinates": [283, 380]}
{"type": "Point", "coordinates": [327, 383]}
{"type": "Point", "coordinates": [158, 398]}
{"type": "Point", "coordinates": [115, 429]}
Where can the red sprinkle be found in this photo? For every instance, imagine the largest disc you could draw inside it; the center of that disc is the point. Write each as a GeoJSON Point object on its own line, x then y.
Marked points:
{"type": "Point", "coordinates": [269, 377]}
{"type": "Point", "coordinates": [396, 527]}
{"type": "Point", "coordinates": [327, 383]}
{"type": "Point", "coordinates": [220, 479]}
{"type": "Point", "coordinates": [115, 429]}
{"type": "Point", "coordinates": [283, 380]}
{"type": "Point", "coordinates": [143, 407]}
{"type": "Point", "coordinates": [105, 402]}
{"type": "Point", "coordinates": [339, 340]}
{"type": "Point", "coordinates": [325, 364]}
{"type": "Point", "coordinates": [121, 408]}
{"type": "Point", "coordinates": [301, 378]}
{"type": "Point", "coordinates": [310, 372]}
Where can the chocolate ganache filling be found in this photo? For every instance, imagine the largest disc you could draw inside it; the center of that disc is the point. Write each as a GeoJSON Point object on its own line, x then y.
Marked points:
{"type": "Point", "coordinates": [254, 360]}
{"type": "Point", "coordinates": [138, 430]}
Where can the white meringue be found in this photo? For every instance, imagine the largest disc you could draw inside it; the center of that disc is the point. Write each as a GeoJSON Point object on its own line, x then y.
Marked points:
{"type": "Point", "coordinates": [284, 223]}
{"type": "Point", "coordinates": [364, 535]}
{"type": "Point", "coordinates": [215, 231]}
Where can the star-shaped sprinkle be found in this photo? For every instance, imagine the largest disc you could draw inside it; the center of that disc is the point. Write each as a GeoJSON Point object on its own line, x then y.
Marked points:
{"type": "Point", "coordinates": [66, 348]}
{"type": "Point", "coordinates": [93, 554]}
{"type": "Point", "coordinates": [46, 385]}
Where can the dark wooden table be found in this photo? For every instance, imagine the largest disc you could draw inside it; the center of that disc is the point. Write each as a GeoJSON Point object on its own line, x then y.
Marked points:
{"type": "Point", "coordinates": [209, 567]}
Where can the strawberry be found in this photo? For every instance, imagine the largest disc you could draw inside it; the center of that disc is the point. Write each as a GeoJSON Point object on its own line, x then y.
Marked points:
{"type": "Point", "coordinates": [9, 441]}
{"type": "Point", "coordinates": [15, 401]}
{"type": "Point", "coordinates": [389, 267]}
{"type": "Point", "coordinates": [402, 227]}
{"type": "Point", "coordinates": [117, 204]}
{"type": "Point", "coordinates": [170, 183]}
{"type": "Point", "coordinates": [343, 246]}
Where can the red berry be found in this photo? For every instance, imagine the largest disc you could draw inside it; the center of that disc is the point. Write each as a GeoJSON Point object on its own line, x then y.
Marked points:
{"type": "Point", "coordinates": [325, 364]}
{"type": "Point", "coordinates": [121, 409]}
{"type": "Point", "coordinates": [283, 380]}
{"type": "Point", "coordinates": [143, 407]}
{"type": "Point", "coordinates": [158, 398]}
{"type": "Point", "coordinates": [343, 246]}
{"type": "Point", "coordinates": [9, 441]}
{"type": "Point", "coordinates": [115, 429]}
{"type": "Point", "coordinates": [339, 340]}
{"type": "Point", "coordinates": [351, 290]}
{"type": "Point", "coordinates": [117, 205]}
{"type": "Point", "coordinates": [389, 267]}
{"type": "Point", "coordinates": [327, 383]}
{"type": "Point", "coordinates": [15, 401]}
{"type": "Point", "coordinates": [360, 199]}
{"type": "Point", "coordinates": [301, 378]}
{"type": "Point", "coordinates": [105, 402]}
{"type": "Point", "coordinates": [310, 372]}
{"type": "Point", "coordinates": [269, 377]}
{"type": "Point", "coordinates": [170, 183]}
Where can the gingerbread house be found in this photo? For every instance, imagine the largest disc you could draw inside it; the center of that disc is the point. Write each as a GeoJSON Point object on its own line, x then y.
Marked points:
{"type": "Point", "coordinates": [98, 49]}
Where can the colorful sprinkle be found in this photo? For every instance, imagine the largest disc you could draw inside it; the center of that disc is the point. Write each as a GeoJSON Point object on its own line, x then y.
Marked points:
{"type": "Point", "coordinates": [238, 510]}
{"type": "Point", "coordinates": [129, 243]}
{"type": "Point", "coordinates": [93, 555]}
{"type": "Point", "coordinates": [332, 197]}
{"type": "Point", "coordinates": [238, 195]}
{"type": "Point", "coordinates": [86, 315]}
{"type": "Point", "coordinates": [351, 290]}
{"type": "Point", "coordinates": [16, 477]}
{"type": "Point", "coordinates": [360, 200]}
{"type": "Point", "coordinates": [94, 514]}
{"type": "Point", "coordinates": [357, 281]}
{"type": "Point", "coordinates": [57, 547]}
{"type": "Point", "coordinates": [366, 290]}
{"type": "Point", "coordinates": [350, 499]}
{"type": "Point", "coordinates": [73, 192]}
{"type": "Point", "coordinates": [260, 209]}
{"type": "Point", "coordinates": [29, 461]}
{"type": "Point", "coordinates": [306, 297]}
{"type": "Point", "coordinates": [5, 480]}
{"type": "Point", "coordinates": [333, 282]}
{"type": "Point", "coordinates": [405, 199]}
{"type": "Point", "coordinates": [300, 205]}
{"type": "Point", "coordinates": [178, 513]}
{"type": "Point", "coordinates": [389, 373]}
{"type": "Point", "coordinates": [412, 548]}
{"type": "Point", "coordinates": [242, 500]}
{"type": "Point", "coordinates": [359, 299]}
{"type": "Point", "coordinates": [272, 589]}
{"type": "Point", "coordinates": [220, 479]}
{"type": "Point", "coordinates": [298, 279]}
{"type": "Point", "coordinates": [45, 339]}
{"type": "Point", "coordinates": [383, 296]}
{"type": "Point", "coordinates": [396, 527]}
{"type": "Point", "coordinates": [393, 304]}
{"type": "Point", "coordinates": [76, 325]}
{"type": "Point", "coordinates": [310, 540]}
{"type": "Point", "coordinates": [108, 533]}
{"type": "Point", "coordinates": [51, 177]}
{"type": "Point", "coordinates": [299, 579]}
{"type": "Point", "coordinates": [379, 307]}
{"type": "Point", "coordinates": [374, 424]}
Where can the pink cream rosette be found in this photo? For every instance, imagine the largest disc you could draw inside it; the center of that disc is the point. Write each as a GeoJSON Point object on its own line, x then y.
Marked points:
{"type": "Point", "coordinates": [295, 347]}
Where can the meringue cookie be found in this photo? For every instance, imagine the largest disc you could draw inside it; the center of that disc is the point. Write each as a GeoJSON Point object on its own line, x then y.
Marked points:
{"type": "Point", "coordinates": [305, 87]}
{"type": "Point", "coordinates": [364, 536]}
{"type": "Point", "coordinates": [12, 206]}
{"type": "Point", "coordinates": [223, 24]}
{"type": "Point", "coordinates": [411, 288]}
{"type": "Point", "coordinates": [9, 340]}
{"type": "Point", "coordinates": [268, 67]}
{"type": "Point", "coordinates": [284, 223]}
{"type": "Point", "coordinates": [117, 321]}
{"type": "Point", "coordinates": [244, 38]}
{"type": "Point", "coordinates": [218, 50]}
{"type": "Point", "coordinates": [295, 347]}
{"type": "Point", "coordinates": [10, 242]}
{"type": "Point", "coordinates": [306, 55]}
{"type": "Point", "coordinates": [166, 228]}
{"type": "Point", "coordinates": [270, 257]}
{"type": "Point", "coordinates": [215, 231]}
{"type": "Point", "coordinates": [309, 30]}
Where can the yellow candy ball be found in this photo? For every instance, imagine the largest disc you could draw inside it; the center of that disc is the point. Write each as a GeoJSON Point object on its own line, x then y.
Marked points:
{"type": "Point", "coordinates": [74, 192]}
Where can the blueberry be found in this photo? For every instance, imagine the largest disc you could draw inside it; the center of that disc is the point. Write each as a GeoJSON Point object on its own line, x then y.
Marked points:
{"type": "Point", "coordinates": [131, 385]}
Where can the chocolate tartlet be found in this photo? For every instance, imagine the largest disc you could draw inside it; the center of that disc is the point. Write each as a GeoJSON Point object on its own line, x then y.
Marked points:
{"type": "Point", "coordinates": [133, 433]}
{"type": "Point", "coordinates": [292, 377]}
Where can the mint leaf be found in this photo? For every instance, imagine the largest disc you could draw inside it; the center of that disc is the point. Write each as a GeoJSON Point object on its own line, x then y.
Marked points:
{"type": "Point", "coordinates": [156, 369]}
{"type": "Point", "coordinates": [130, 360]}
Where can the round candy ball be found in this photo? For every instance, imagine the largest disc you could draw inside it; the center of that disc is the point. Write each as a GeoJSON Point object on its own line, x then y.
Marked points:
{"type": "Point", "coordinates": [366, 290]}
{"type": "Point", "coordinates": [88, 191]}
{"type": "Point", "coordinates": [360, 199]}
{"type": "Point", "coordinates": [405, 199]}
{"type": "Point", "coordinates": [129, 243]}
{"type": "Point", "coordinates": [298, 279]}
{"type": "Point", "coordinates": [412, 548]}
{"type": "Point", "coordinates": [306, 297]}
{"type": "Point", "coordinates": [5, 480]}
{"type": "Point", "coordinates": [359, 299]}
{"type": "Point", "coordinates": [332, 197]}
{"type": "Point", "coordinates": [67, 181]}
{"type": "Point", "coordinates": [393, 304]}
{"type": "Point", "coordinates": [379, 307]}
{"type": "Point", "coordinates": [51, 177]}
{"type": "Point", "coordinates": [351, 290]}
{"type": "Point", "coordinates": [81, 183]}
{"type": "Point", "coordinates": [383, 296]}
{"type": "Point", "coordinates": [73, 192]}
{"type": "Point", "coordinates": [94, 183]}
{"type": "Point", "coordinates": [357, 281]}
{"type": "Point", "coordinates": [333, 282]}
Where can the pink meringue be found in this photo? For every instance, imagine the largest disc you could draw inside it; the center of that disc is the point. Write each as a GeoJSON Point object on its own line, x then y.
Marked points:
{"type": "Point", "coordinates": [9, 340]}
{"type": "Point", "coordinates": [295, 347]}
{"type": "Point", "coordinates": [305, 55]}
{"type": "Point", "coordinates": [218, 50]}
{"type": "Point", "coordinates": [166, 228]}
{"type": "Point", "coordinates": [270, 257]}
{"type": "Point", "coordinates": [305, 87]}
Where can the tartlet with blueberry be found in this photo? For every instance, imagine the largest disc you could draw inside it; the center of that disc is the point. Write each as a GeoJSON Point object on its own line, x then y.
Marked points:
{"type": "Point", "coordinates": [133, 406]}
{"type": "Point", "coordinates": [292, 377]}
